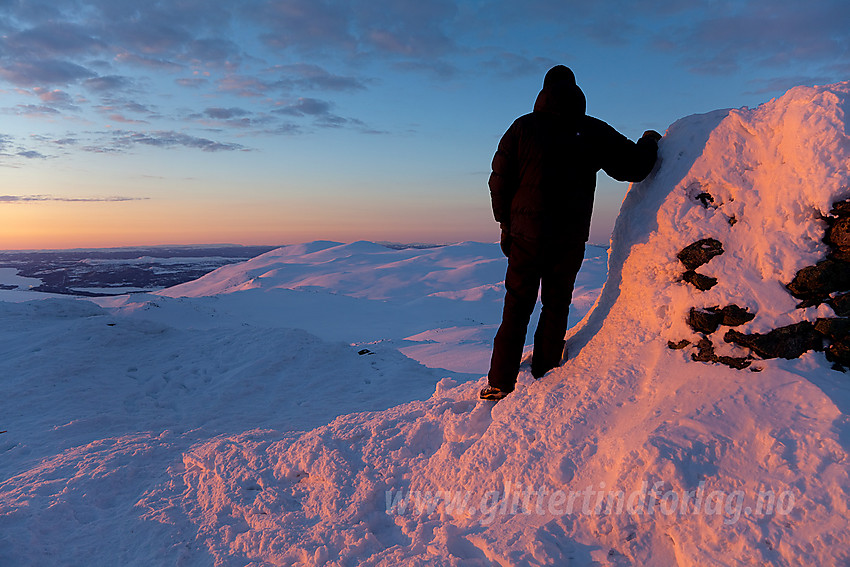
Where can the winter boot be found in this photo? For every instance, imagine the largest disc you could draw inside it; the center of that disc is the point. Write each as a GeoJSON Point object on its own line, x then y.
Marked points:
{"type": "Point", "coordinates": [494, 394]}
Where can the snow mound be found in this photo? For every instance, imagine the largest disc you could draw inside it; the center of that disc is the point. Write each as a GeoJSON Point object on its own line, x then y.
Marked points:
{"type": "Point", "coordinates": [759, 181]}
{"type": "Point", "coordinates": [360, 269]}
{"type": "Point", "coordinates": [631, 453]}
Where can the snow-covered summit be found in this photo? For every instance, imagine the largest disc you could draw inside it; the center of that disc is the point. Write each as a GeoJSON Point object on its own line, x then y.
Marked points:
{"type": "Point", "coordinates": [631, 453]}
{"type": "Point", "coordinates": [168, 429]}
{"type": "Point", "coordinates": [359, 269]}
{"type": "Point", "coordinates": [757, 180]}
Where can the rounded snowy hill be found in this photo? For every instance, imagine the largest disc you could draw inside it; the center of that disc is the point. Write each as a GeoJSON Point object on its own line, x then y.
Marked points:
{"type": "Point", "coordinates": [359, 269]}
{"type": "Point", "coordinates": [665, 439]}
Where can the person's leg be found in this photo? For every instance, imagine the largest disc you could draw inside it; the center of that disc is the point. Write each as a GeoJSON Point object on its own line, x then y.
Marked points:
{"type": "Point", "coordinates": [521, 282]}
{"type": "Point", "coordinates": [560, 269]}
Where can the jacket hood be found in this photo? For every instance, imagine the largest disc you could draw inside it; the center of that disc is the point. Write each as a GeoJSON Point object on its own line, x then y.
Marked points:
{"type": "Point", "coordinates": [560, 94]}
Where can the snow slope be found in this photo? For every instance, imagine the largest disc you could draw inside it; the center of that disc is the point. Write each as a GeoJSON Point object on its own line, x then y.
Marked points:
{"type": "Point", "coordinates": [97, 406]}
{"type": "Point", "coordinates": [168, 429]}
{"type": "Point", "coordinates": [100, 397]}
{"type": "Point", "coordinates": [630, 453]}
{"type": "Point", "coordinates": [440, 306]}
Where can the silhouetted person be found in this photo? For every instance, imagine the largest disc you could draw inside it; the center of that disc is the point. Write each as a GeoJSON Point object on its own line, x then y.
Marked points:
{"type": "Point", "coordinates": [542, 186]}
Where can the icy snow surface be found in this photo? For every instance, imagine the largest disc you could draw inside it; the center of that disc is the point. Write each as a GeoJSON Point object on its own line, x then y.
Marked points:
{"type": "Point", "coordinates": [210, 424]}
{"type": "Point", "coordinates": [100, 399]}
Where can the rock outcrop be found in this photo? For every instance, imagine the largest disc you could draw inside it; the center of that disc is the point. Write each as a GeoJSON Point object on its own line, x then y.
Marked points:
{"type": "Point", "coordinates": [734, 203]}
{"type": "Point", "coordinates": [827, 281]}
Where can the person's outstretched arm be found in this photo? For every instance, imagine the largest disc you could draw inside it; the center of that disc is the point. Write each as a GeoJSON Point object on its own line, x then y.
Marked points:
{"type": "Point", "coordinates": [625, 160]}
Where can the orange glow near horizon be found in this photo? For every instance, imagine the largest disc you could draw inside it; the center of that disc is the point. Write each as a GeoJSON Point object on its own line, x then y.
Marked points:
{"type": "Point", "coordinates": [181, 216]}
{"type": "Point", "coordinates": [59, 225]}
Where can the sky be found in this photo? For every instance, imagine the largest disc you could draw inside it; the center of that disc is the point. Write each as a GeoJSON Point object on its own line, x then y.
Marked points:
{"type": "Point", "coordinates": [130, 123]}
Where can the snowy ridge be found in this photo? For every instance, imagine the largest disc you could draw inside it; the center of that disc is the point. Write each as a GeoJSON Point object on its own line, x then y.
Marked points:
{"type": "Point", "coordinates": [364, 292]}
{"type": "Point", "coordinates": [360, 269]}
{"type": "Point", "coordinates": [210, 424]}
{"type": "Point", "coordinates": [751, 468]}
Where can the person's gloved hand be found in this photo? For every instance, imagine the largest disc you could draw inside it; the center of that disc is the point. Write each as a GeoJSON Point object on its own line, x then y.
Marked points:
{"type": "Point", "coordinates": [505, 241]}
{"type": "Point", "coordinates": [652, 134]}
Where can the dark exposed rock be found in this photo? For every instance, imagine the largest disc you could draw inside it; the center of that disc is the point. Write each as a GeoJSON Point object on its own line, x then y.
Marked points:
{"type": "Point", "coordinates": [838, 233]}
{"type": "Point", "coordinates": [838, 236]}
{"type": "Point", "coordinates": [833, 328]}
{"type": "Point", "coordinates": [840, 254]}
{"type": "Point", "coordinates": [841, 208]}
{"type": "Point", "coordinates": [704, 320]}
{"type": "Point", "coordinates": [738, 363]}
{"type": "Point", "coordinates": [840, 303]}
{"type": "Point", "coordinates": [785, 342]}
{"type": "Point", "coordinates": [839, 353]}
{"type": "Point", "coordinates": [705, 353]}
{"type": "Point", "coordinates": [705, 199]}
{"type": "Point", "coordinates": [828, 281]}
{"type": "Point", "coordinates": [812, 302]}
{"type": "Point", "coordinates": [707, 320]}
{"type": "Point", "coordinates": [815, 283]}
{"type": "Point", "coordinates": [734, 315]}
{"type": "Point", "coordinates": [695, 255]}
{"type": "Point", "coordinates": [699, 281]}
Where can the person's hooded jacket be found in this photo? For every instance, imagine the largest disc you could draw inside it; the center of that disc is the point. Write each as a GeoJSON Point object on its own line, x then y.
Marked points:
{"type": "Point", "coordinates": [544, 171]}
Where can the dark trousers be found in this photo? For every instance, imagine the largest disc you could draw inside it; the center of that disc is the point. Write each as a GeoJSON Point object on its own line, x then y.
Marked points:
{"type": "Point", "coordinates": [531, 266]}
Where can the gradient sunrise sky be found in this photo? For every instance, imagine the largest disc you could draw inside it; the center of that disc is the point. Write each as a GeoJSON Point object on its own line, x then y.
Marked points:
{"type": "Point", "coordinates": [135, 122]}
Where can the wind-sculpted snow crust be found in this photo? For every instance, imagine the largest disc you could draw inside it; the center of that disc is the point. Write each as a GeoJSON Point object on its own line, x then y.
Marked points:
{"type": "Point", "coordinates": [631, 453]}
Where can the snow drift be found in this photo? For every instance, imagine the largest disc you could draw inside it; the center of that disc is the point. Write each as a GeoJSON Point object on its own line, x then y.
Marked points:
{"type": "Point", "coordinates": [631, 453]}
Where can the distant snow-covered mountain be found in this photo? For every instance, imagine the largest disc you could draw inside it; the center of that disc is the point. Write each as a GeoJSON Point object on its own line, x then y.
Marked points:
{"type": "Point", "coordinates": [360, 269]}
